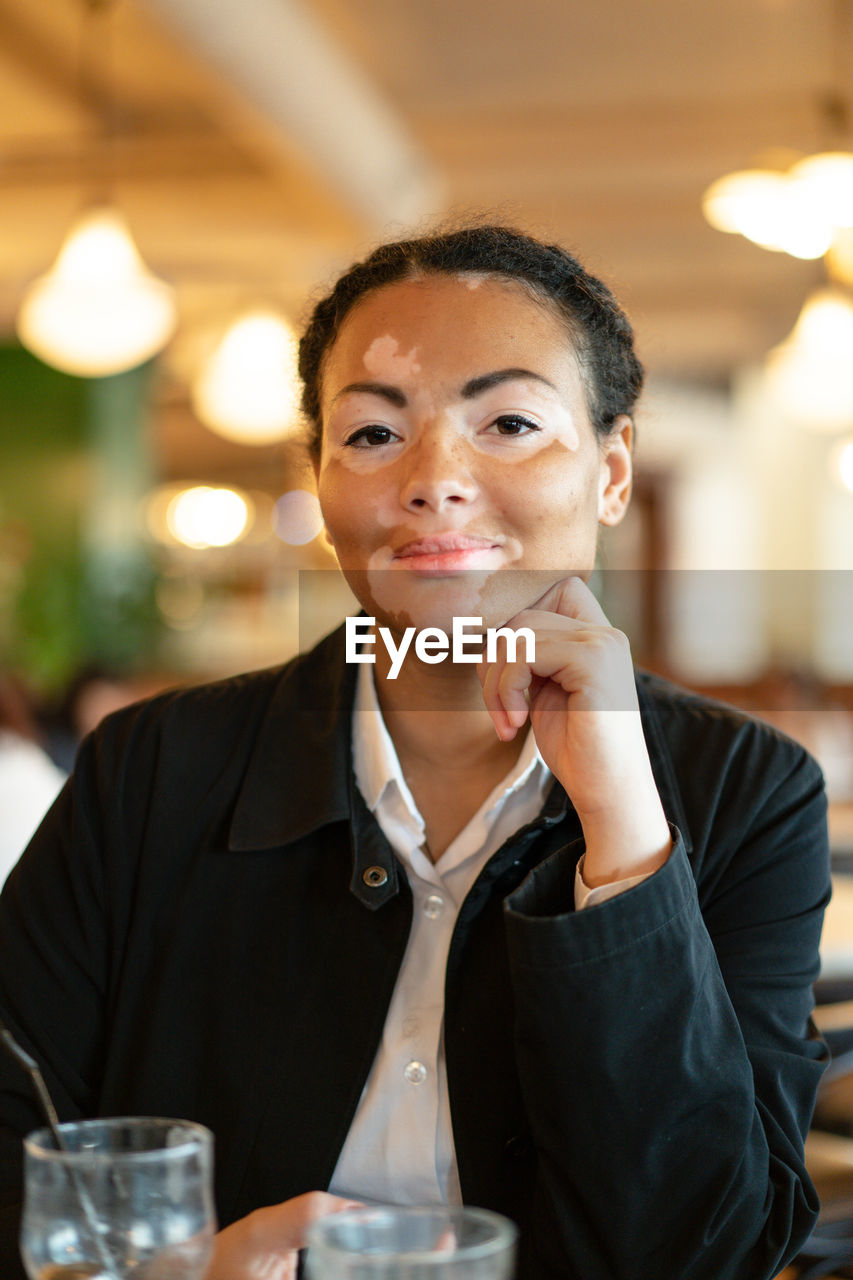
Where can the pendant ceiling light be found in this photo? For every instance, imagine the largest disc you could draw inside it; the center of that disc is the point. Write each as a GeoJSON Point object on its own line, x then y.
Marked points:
{"type": "Point", "coordinates": [840, 463]}
{"type": "Point", "coordinates": [799, 212]}
{"type": "Point", "coordinates": [803, 209]}
{"type": "Point", "coordinates": [98, 310]}
{"type": "Point", "coordinates": [839, 260]}
{"type": "Point", "coordinates": [809, 373]}
{"type": "Point", "coordinates": [249, 389]}
{"type": "Point", "coordinates": [775, 210]}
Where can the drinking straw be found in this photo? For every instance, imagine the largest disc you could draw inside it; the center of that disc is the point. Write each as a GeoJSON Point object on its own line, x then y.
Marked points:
{"type": "Point", "coordinates": [32, 1069]}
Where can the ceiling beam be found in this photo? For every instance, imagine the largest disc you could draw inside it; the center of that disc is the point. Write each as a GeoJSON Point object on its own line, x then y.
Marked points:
{"type": "Point", "coordinates": [284, 63]}
{"type": "Point", "coordinates": [132, 158]}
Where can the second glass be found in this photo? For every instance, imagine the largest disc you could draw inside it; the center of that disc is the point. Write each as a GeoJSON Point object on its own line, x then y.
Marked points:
{"type": "Point", "coordinates": [411, 1244]}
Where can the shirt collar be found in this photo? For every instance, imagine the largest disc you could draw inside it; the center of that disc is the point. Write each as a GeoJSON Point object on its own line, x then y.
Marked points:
{"type": "Point", "coordinates": [377, 767]}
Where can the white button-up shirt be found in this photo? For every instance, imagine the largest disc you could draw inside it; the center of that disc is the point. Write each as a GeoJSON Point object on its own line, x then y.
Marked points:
{"type": "Point", "coordinates": [399, 1149]}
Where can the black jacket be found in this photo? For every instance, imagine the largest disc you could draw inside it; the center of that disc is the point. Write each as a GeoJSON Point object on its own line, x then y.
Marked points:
{"type": "Point", "coordinates": [190, 933]}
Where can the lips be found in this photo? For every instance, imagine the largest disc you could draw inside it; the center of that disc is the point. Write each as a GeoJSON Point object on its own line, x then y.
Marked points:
{"type": "Point", "coordinates": [439, 543]}
{"type": "Point", "coordinates": [446, 553]}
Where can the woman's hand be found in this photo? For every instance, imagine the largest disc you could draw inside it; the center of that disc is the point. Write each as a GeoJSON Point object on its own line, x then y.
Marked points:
{"type": "Point", "coordinates": [264, 1244]}
{"type": "Point", "coordinates": [582, 702]}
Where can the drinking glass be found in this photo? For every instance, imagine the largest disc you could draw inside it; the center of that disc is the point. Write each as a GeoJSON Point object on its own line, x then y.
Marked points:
{"type": "Point", "coordinates": [436, 1243]}
{"type": "Point", "coordinates": [129, 1197]}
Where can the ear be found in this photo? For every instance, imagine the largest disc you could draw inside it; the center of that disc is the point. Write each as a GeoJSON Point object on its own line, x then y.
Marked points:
{"type": "Point", "coordinates": [617, 472]}
{"type": "Point", "coordinates": [324, 532]}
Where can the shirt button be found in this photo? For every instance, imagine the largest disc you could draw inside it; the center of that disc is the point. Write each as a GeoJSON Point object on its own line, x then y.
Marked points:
{"type": "Point", "coordinates": [415, 1072]}
{"type": "Point", "coordinates": [433, 906]}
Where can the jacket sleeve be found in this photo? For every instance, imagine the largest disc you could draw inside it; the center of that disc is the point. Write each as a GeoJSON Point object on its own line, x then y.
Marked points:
{"type": "Point", "coordinates": [61, 923]}
{"type": "Point", "coordinates": [667, 1056]}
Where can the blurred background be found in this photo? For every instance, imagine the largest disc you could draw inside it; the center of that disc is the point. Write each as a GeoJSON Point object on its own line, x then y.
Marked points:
{"type": "Point", "coordinates": [178, 178]}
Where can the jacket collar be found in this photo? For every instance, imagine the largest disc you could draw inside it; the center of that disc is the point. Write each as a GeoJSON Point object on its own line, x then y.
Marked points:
{"type": "Point", "coordinates": [297, 778]}
{"type": "Point", "coordinates": [299, 775]}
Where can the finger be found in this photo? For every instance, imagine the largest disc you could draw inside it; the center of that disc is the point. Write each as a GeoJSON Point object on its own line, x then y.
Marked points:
{"type": "Point", "coordinates": [578, 659]}
{"type": "Point", "coordinates": [447, 1242]}
{"type": "Point", "coordinates": [572, 598]}
{"type": "Point", "coordinates": [490, 674]}
{"type": "Point", "coordinates": [507, 684]}
{"type": "Point", "coordinates": [592, 665]}
{"type": "Point", "coordinates": [513, 682]}
{"type": "Point", "coordinates": [288, 1222]}
{"type": "Point", "coordinates": [317, 1204]}
{"type": "Point", "coordinates": [558, 639]}
{"type": "Point", "coordinates": [507, 697]}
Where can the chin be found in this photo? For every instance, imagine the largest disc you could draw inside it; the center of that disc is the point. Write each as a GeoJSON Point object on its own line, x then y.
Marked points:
{"type": "Point", "coordinates": [399, 600]}
{"type": "Point", "coordinates": [431, 602]}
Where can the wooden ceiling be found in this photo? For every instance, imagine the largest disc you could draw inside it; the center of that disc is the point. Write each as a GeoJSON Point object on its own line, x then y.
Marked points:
{"type": "Point", "coordinates": [598, 124]}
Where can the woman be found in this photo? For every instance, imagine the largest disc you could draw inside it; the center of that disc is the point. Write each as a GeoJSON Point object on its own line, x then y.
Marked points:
{"type": "Point", "coordinates": [528, 933]}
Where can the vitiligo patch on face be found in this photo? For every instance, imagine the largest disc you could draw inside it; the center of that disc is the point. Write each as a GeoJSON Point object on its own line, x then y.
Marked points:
{"type": "Point", "coordinates": [386, 588]}
{"type": "Point", "coordinates": [364, 461]}
{"type": "Point", "coordinates": [565, 430]}
{"type": "Point", "coordinates": [558, 417]}
{"type": "Point", "coordinates": [384, 359]}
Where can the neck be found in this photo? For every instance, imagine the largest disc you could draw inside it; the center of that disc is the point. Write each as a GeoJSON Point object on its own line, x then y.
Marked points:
{"type": "Point", "coordinates": [449, 752]}
{"type": "Point", "coordinates": [436, 715]}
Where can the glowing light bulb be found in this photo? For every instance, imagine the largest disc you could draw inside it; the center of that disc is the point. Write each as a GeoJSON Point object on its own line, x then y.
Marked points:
{"type": "Point", "coordinates": [841, 463]}
{"type": "Point", "coordinates": [826, 181]}
{"type": "Point", "coordinates": [98, 311]}
{"type": "Point", "coordinates": [809, 373]}
{"type": "Point", "coordinates": [770, 209]}
{"type": "Point", "coordinates": [739, 199]}
{"type": "Point", "coordinates": [839, 260]}
{"type": "Point", "coordinates": [249, 389]}
{"type": "Point", "coordinates": [206, 517]}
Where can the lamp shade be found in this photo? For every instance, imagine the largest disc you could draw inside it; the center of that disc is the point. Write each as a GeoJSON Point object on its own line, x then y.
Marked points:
{"type": "Point", "coordinates": [827, 179]}
{"type": "Point", "coordinates": [809, 373]}
{"type": "Point", "coordinates": [249, 389]}
{"type": "Point", "coordinates": [99, 310]}
{"type": "Point", "coordinates": [770, 209]}
{"type": "Point", "coordinates": [840, 257]}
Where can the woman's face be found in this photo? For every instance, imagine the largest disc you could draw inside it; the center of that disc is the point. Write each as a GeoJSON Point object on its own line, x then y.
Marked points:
{"type": "Point", "coordinates": [459, 472]}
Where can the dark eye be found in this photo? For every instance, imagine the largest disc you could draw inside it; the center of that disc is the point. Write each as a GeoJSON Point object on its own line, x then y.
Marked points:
{"type": "Point", "coordinates": [512, 424]}
{"type": "Point", "coordinates": [371, 437]}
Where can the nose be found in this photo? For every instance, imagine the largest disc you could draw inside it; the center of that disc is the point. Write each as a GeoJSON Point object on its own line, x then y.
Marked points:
{"type": "Point", "coordinates": [437, 472]}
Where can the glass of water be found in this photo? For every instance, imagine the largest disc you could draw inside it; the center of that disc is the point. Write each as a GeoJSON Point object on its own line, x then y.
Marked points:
{"type": "Point", "coordinates": [129, 1197]}
{"type": "Point", "coordinates": [435, 1243]}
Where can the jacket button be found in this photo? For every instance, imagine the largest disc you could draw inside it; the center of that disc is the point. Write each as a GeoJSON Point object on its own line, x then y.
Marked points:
{"type": "Point", "coordinates": [375, 877]}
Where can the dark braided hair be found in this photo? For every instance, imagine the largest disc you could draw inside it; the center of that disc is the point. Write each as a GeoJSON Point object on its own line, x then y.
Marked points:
{"type": "Point", "coordinates": [599, 330]}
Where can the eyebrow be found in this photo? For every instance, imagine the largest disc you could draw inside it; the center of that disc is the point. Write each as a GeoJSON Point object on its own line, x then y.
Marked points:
{"type": "Point", "coordinates": [383, 389]}
{"type": "Point", "coordinates": [486, 381]}
{"type": "Point", "coordinates": [473, 388]}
